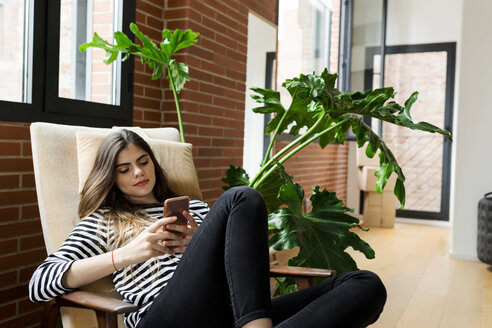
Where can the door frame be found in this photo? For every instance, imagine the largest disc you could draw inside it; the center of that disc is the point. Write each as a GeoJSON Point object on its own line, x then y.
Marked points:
{"type": "Point", "coordinates": [450, 49]}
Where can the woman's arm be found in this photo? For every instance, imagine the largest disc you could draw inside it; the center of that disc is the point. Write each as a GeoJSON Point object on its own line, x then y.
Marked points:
{"type": "Point", "coordinates": [84, 257]}
{"type": "Point", "coordinates": [146, 245]}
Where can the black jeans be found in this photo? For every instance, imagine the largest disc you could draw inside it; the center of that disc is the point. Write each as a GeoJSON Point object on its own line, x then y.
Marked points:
{"type": "Point", "coordinates": [222, 279]}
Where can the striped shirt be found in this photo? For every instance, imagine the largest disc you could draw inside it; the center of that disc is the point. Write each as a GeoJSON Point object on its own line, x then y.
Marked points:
{"type": "Point", "coordinates": [91, 237]}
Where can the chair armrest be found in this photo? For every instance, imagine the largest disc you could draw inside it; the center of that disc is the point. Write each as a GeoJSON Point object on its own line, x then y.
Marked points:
{"type": "Point", "coordinates": [291, 271]}
{"type": "Point", "coordinates": [97, 302]}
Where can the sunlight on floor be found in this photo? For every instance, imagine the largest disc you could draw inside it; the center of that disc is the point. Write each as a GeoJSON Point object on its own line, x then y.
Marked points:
{"type": "Point", "coordinates": [427, 288]}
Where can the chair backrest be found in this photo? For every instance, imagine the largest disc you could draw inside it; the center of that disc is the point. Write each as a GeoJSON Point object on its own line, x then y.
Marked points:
{"type": "Point", "coordinates": [54, 151]}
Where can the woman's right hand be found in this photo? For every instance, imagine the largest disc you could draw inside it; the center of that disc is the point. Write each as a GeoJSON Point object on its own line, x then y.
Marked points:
{"type": "Point", "coordinates": [148, 244]}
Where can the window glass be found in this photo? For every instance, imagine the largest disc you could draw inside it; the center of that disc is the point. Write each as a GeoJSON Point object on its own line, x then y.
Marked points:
{"type": "Point", "coordinates": [307, 39]}
{"type": "Point", "coordinates": [15, 50]}
{"type": "Point", "coordinates": [84, 76]}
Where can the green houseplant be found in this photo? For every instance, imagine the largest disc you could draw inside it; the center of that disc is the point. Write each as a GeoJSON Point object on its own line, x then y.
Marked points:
{"type": "Point", "coordinates": [326, 115]}
{"type": "Point", "coordinates": [157, 58]}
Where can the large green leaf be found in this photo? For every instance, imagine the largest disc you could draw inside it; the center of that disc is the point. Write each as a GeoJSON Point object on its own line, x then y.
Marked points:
{"type": "Point", "coordinates": [269, 189]}
{"type": "Point", "coordinates": [374, 103]}
{"type": "Point", "coordinates": [387, 160]}
{"type": "Point", "coordinates": [302, 112]}
{"type": "Point", "coordinates": [235, 177]}
{"type": "Point", "coordinates": [156, 57]}
{"type": "Point", "coordinates": [316, 96]}
{"type": "Point", "coordinates": [179, 73]}
{"type": "Point", "coordinates": [322, 235]}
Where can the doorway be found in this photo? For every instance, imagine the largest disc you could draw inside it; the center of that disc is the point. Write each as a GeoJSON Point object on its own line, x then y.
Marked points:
{"type": "Point", "coordinates": [425, 158]}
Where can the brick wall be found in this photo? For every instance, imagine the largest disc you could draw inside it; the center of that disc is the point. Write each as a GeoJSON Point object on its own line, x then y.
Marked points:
{"type": "Point", "coordinates": [21, 240]}
{"type": "Point", "coordinates": [213, 111]}
{"type": "Point", "coordinates": [213, 103]}
{"type": "Point", "coordinates": [314, 166]}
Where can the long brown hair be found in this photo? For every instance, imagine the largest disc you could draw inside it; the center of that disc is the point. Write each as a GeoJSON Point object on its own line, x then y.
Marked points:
{"type": "Point", "coordinates": [100, 190]}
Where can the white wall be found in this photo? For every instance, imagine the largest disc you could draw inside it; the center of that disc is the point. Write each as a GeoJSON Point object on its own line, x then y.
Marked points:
{"type": "Point", "coordinates": [262, 38]}
{"type": "Point", "coordinates": [472, 169]}
{"type": "Point", "coordinates": [423, 21]}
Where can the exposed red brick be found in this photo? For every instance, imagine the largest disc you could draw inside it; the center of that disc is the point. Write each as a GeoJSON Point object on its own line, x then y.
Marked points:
{"type": "Point", "coordinates": [28, 180]}
{"type": "Point", "coordinates": [10, 148]}
{"type": "Point", "coordinates": [8, 279]}
{"type": "Point", "coordinates": [178, 24]}
{"type": "Point", "coordinates": [15, 165]}
{"type": "Point", "coordinates": [177, 3]}
{"type": "Point", "coordinates": [149, 8]}
{"type": "Point", "coordinates": [225, 102]}
{"type": "Point", "coordinates": [196, 96]}
{"type": "Point", "coordinates": [25, 274]}
{"type": "Point", "coordinates": [197, 119]}
{"type": "Point", "coordinates": [152, 116]}
{"type": "Point", "coordinates": [155, 23]}
{"type": "Point", "coordinates": [24, 320]}
{"type": "Point", "coordinates": [213, 68]}
{"type": "Point", "coordinates": [7, 311]}
{"type": "Point", "coordinates": [29, 212]}
{"type": "Point", "coordinates": [28, 306]}
{"type": "Point", "coordinates": [21, 228]}
{"type": "Point", "coordinates": [32, 242]}
{"type": "Point", "coordinates": [9, 214]}
{"type": "Point", "coordinates": [13, 293]}
{"type": "Point", "coordinates": [22, 259]}
{"type": "Point", "coordinates": [14, 133]}
{"type": "Point", "coordinates": [146, 103]}
{"type": "Point", "coordinates": [8, 246]}
{"type": "Point", "coordinates": [211, 131]}
{"type": "Point", "coordinates": [26, 149]}
{"type": "Point", "coordinates": [17, 197]}
{"type": "Point", "coordinates": [213, 24]}
{"type": "Point", "coordinates": [212, 89]}
{"type": "Point", "coordinates": [227, 21]}
{"type": "Point", "coordinates": [240, 76]}
{"type": "Point", "coordinates": [9, 181]}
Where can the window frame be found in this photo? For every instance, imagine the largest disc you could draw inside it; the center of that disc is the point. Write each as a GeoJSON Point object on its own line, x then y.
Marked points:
{"type": "Point", "coordinates": [45, 104]}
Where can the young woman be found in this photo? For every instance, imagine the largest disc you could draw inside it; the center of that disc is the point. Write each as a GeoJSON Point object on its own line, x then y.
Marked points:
{"type": "Point", "coordinates": [212, 273]}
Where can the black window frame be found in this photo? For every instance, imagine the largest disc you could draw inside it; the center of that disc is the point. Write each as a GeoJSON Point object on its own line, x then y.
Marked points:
{"type": "Point", "coordinates": [450, 49]}
{"type": "Point", "coordinates": [45, 104]}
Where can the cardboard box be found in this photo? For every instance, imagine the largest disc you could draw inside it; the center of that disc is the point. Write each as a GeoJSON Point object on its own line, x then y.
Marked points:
{"type": "Point", "coordinates": [363, 160]}
{"type": "Point", "coordinates": [379, 209]}
{"type": "Point", "coordinates": [367, 179]}
{"type": "Point", "coordinates": [388, 213]}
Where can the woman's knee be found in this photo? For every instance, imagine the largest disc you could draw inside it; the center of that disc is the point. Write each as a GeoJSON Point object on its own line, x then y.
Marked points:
{"type": "Point", "coordinates": [244, 192]}
{"type": "Point", "coordinates": [376, 288]}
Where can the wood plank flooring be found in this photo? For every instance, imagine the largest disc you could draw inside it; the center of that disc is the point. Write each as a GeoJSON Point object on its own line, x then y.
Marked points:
{"type": "Point", "coordinates": [426, 287]}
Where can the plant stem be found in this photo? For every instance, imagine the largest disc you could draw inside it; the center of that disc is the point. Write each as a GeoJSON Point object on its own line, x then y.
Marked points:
{"type": "Point", "coordinates": [272, 139]}
{"type": "Point", "coordinates": [176, 101]}
{"type": "Point", "coordinates": [265, 166]}
{"type": "Point", "coordinates": [294, 151]}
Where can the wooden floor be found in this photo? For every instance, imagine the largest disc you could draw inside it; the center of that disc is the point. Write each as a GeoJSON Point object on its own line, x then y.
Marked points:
{"type": "Point", "coordinates": [426, 288]}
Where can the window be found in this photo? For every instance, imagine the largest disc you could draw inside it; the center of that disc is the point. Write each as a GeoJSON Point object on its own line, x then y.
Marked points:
{"type": "Point", "coordinates": [307, 39]}
{"type": "Point", "coordinates": [47, 78]}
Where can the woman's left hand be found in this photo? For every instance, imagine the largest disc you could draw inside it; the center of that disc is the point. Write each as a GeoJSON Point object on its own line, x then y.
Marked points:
{"type": "Point", "coordinates": [187, 233]}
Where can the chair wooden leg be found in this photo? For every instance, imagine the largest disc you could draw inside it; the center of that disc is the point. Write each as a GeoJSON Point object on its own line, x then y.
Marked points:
{"type": "Point", "coordinates": [106, 320]}
{"type": "Point", "coordinates": [304, 282]}
{"type": "Point", "coordinates": [50, 314]}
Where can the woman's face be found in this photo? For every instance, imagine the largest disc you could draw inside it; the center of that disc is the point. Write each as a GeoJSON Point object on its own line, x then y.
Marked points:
{"type": "Point", "coordinates": [135, 175]}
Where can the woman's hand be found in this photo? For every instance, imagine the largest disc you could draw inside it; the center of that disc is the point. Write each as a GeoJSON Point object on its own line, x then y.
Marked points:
{"type": "Point", "coordinates": [185, 232]}
{"type": "Point", "coordinates": [149, 243]}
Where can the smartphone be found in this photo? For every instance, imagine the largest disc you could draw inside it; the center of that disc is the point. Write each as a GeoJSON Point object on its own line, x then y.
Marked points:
{"type": "Point", "coordinates": [175, 207]}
